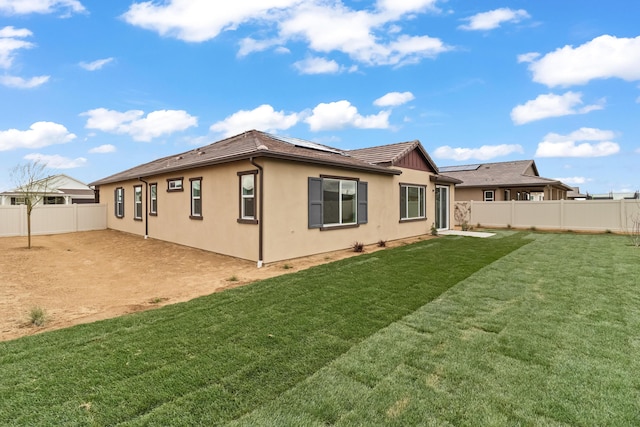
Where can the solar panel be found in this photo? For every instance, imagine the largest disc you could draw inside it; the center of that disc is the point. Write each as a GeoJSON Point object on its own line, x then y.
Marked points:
{"type": "Point", "coordinates": [306, 144]}
{"type": "Point", "coordinates": [460, 168]}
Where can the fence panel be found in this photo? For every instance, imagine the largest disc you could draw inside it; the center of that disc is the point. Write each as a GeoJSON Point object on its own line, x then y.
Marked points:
{"type": "Point", "coordinates": [586, 215]}
{"type": "Point", "coordinates": [52, 219]}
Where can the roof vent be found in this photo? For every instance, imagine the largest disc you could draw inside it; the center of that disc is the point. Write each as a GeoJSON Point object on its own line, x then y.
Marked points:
{"type": "Point", "coordinates": [262, 147]}
{"type": "Point", "coordinates": [200, 153]}
{"type": "Point", "coordinates": [179, 158]}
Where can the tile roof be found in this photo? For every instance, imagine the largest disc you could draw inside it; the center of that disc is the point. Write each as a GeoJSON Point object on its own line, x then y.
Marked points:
{"type": "Point", "coordinates": [392, 153]}
{"type": "Point", "coordinates": [500, 174]}
{"type": "Point", "coordinates": [247, 145]}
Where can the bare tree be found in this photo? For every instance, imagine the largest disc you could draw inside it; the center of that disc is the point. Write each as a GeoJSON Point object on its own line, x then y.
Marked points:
{"type": "Point", "coordinates": [32, 184]}
{"type": "Point", "coordinates": [633, 225]}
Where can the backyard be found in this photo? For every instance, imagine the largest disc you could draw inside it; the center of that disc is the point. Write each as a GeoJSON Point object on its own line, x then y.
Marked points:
{"type": "Point", "coordinates": [518, 329]}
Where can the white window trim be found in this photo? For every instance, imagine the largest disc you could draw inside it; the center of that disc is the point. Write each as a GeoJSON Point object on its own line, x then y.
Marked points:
{"type": "Point", "coordinates": [194, 198]}
{"type": "Point", "coordinates": [421, 198]}
{"type": "Point", "coordinates": [244, 197]}
{"type": "Point", "coordinates": [153, 198]}
{"type": "Point", "coordinates": [340, 188]}
{"type": "Point", "coordinates": [489, 199]}
{"type": "Point", "coordinates": [137, 202]}
{"type": "Point", "coordinates": [119, 202]}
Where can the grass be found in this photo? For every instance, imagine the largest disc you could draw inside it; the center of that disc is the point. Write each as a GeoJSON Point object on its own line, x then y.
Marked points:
{"type": "Point", "coordinates": [448, 331]}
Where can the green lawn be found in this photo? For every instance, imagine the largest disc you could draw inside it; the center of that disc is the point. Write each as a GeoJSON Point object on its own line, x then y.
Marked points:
{"type": "Point", "coordinates": [518, 329]}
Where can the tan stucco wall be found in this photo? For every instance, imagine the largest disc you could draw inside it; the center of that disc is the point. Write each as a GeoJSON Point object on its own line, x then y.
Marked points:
{"type": "Point", "coordinates": [285, 218]}
{"type": "Point", "coordinates": [286, 214]}
{"type": "Point", "coordinates": [218, 231]}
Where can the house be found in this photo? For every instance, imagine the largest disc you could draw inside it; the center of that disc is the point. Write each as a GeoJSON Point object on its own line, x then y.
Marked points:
{"type": "Point", "coordinates": [56, 190]}
{"type": "Point", "coordinates": [268, 198]}
{"type": "Point", "coordinates": [575, 194]}
{"type": "Point", "coordinates": [515, 180]}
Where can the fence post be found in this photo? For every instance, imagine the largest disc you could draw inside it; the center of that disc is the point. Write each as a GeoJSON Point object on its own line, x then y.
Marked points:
{"type": "Point", "coordinates": [23, 223]}
{"type": "Point", "coordinates": [75, 216]}
{"type": "Point", "coordinates": [512, 213]}
{"type": "Point", "coordinates": [561, 214]}
{"type": "Point", "coordinates": [623, 216]}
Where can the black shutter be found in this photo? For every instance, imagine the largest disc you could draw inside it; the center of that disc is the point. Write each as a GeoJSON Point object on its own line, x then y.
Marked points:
{"type": "Point", "coordinates": [363, 216]}
{"type": "Point", "coordinates": [315, 202]}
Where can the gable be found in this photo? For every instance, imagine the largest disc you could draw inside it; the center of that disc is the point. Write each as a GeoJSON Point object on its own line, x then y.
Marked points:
{"type": "Point", "coordinates": [414, 160]}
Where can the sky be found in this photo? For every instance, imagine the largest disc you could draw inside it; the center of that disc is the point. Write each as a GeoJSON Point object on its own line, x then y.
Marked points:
{"type": "Point", "coordinates": [94, 87]}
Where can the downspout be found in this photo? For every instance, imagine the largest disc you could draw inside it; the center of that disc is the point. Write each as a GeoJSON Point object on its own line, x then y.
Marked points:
{"type": "Point", "coordinates": [146, 210]}
{"type": "Point", "coordinates": [260, 210]}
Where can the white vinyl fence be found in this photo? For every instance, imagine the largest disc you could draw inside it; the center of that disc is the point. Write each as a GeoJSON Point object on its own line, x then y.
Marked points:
{"type": "Point", "coordinates": [578, 215]}
{"type": "Point", "coordinates": [52, 219]}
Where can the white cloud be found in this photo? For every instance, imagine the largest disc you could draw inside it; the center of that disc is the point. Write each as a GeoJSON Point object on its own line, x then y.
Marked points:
{"type": "Point", "coordinates": [493, 19]}
{"type": "Point", "coordinates": [575, 145]}
{"type": "Point", "coordinates": [263, 118]}
{"type": "Point", "coordinates": [10, 42]}
{"type": "Point", "coordinates": [57, 162]}
{"type": "Point", "coordinates": [317, 66]}
{"type": "Point", "coordinates": [132, 122]}
{"type": "Point", "coordinates": [103, 149]}
{"type": "Point", "coordinates": [39, 134]}
{"type": "Point", "coordinates": [393, 99]}
{"type": "Point", "coordinates": [552, 105]}
{"type": "Point", "coordinates": [370, 35]}
{"type": "Point", "coordinates": [95, 65]}
{"type": "Point", "coordinates": [341, 114]}
{"type": "Point", "coordinates": [23, 7]}
{"type": "Point", "coordinates": [22, 83]}
{"type": "Point", "coordinates": [574, 180]}
{"type": "Point", "coordinates": [528, 57]}
{"type": "Point", "coordinates": [485, 152]}
{"type": "Point", "coordinates": [601, 58]}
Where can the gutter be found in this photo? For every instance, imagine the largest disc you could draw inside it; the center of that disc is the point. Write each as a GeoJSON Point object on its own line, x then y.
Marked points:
{"type": "Point", "coordinates": [260, 210]}
{"type": "Point", "coordinates": [146, 208]}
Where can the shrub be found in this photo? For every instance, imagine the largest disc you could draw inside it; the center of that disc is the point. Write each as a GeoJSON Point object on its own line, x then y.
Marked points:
{"type": "Point", "coordinates": [434, 230]}
{"type": "Point", "coordinates": [358, 247]}
{"type": "Point", "coordinates": [37, 316]}
{"type": "Point", "coordinates": [287, 266]}
{"type": "Point", "coordinates": [382, 243]}
{"type": "Point", "coordinates": [233, 278]}
{"type": "Point", "coordinates": [465, 226]}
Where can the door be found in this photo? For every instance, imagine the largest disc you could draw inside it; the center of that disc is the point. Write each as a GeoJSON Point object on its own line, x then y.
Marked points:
{"type": "Point", "coordinates": [442, 207]}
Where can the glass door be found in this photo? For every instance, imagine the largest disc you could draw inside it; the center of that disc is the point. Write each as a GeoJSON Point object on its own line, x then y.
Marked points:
{"type": "Point", "coordinates": [442, 207]}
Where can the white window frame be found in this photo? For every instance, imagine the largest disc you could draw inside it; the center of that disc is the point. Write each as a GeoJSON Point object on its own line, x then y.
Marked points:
{"type": "Point", "coordinates": [244, 197]}
{"type": "Point", "coordinates": [153, 198]}
{"type": "Point", "coordinates": [119, 202]}
{"type": "Point", "coordinates": [194, 197]}
{"type": "Point", "coordinates": [174, 184]}
{"type": "Point", "coordinates": [137, 202]}
{"type": "Point", "coordinates": [342, 191]}
{"type": "Point", "coordinates": [487, 198]}
{"type": "Point", "coordinates": [404, 190]}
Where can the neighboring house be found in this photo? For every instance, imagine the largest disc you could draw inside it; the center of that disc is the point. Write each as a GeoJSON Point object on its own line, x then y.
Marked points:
{"type": "Point", "coordinates": [56, 190]}
{"type": "Point", "coordinates": [575, 194]}
{"type": "Point", "coordinates": [614, 196]}
{"type": "Point", "coordinates": [515, 180]}
{"type": "Point", "coordinates": [268, 198]}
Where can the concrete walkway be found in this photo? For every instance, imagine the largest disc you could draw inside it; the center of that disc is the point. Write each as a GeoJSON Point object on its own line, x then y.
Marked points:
{"type": "Point", "coordinates": [480, 234]}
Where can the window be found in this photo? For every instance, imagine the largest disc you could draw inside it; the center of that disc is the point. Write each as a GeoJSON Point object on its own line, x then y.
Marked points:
{"type": "Point", "coordinates": [196, 198]}
{"type": "Point", "coordinates": [18, 201]}
{"type": "Point", "coordinates": [119, 202]}
{"type": "Point", "coordinates": [174, 184]}
{"type": "Point", "coordinates": [248, 195]}
{"type": "Point", "coordinates": [337, 202]}
{"type": "Point", "coordinates": [137, 202]}
{"type": "Point", "coordinates": [53, 200]}
{"type": "Point", "coordinates": [507, 195]}
{"type": "Point", "coordinates": [489, 196]}
{"type": "Point", "coordinates": [153, 199]}
{"type": "Point", "coordinates": [412, 202]}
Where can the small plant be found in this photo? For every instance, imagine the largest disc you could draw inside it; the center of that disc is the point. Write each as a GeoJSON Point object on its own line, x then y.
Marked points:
{"type": "Point", "coordinates": [382, 243]}
{"type": "Point", "coordinates": [287, 266]}
{"type": "Point", "coordinates": [434, 230]}
{"type": "Point", "coordinates": [233, 278]}
{"type": "Point", "coordinates": [462, 214]}
{"type": "Point", "coordinates": [478, 225]}
{"type": "Point", "coordinates": [358, 247]}
{"type": "Point", "coordinates": [37, 316]}
{"type": "Point", "coordinates": [509, 226]}
{"type": "Point", "coordinates": [607, 231]}
{"type": "Point", "coordinates": [464, 226]}
{"type": "Point", "coordinates": [533, 228]}
{"type": "Point", "coordinates": [157, 300]}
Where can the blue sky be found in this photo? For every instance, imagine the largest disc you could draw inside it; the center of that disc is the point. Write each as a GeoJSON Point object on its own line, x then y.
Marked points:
{"type": "Point", "coordinates": [95, 87]}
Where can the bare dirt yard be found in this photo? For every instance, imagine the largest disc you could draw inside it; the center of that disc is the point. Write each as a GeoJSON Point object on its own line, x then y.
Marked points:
{"type": "Point", "coordinates": [88, 276]}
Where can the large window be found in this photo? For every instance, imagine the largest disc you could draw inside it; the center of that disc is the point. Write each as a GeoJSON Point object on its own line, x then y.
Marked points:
{"type": "Point", "coordinates": [137, 202]}
{"type": "Point", "coordinates": [337, 202]}
{"type": "Point", "coordinates": [153, 199]}
{"type": "Point", "coordinates": [412, 202]}
{"type": "Point", "coordinates": [174, 184]}
{"type": "Point", "coordinates": [196, 198]}
{"type": "Point", "coordinates": [247, 195]}
{"type": "Point", "coordinates": [119, 202]}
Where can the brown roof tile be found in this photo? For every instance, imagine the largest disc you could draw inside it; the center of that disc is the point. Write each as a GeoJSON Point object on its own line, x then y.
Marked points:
{"type": "Point", "coordinates": [244, 146]}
